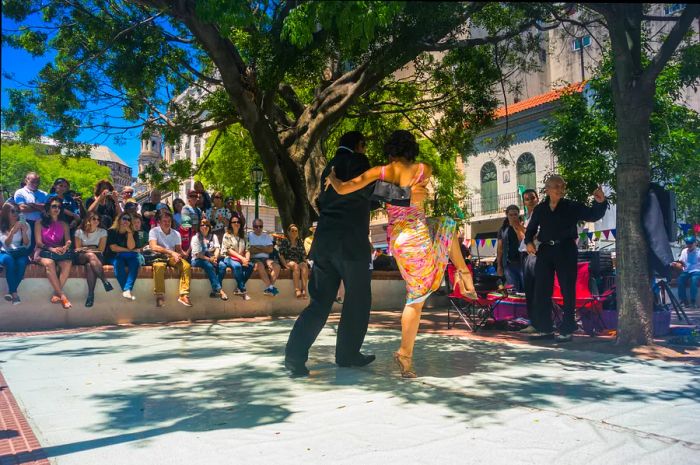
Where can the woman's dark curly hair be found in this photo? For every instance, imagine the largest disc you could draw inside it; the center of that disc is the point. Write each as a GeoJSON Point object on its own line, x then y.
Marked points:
{"type": "Point", "coordinates": [401, 144]}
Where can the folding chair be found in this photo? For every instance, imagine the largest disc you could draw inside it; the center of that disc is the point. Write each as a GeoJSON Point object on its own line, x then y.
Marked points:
{"type": "Point", "coordinates": [473, 312]}
{"type": "Point", "coordinates": [586, 305]}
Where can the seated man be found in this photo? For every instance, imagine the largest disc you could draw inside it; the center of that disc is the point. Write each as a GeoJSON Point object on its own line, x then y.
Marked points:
{"type": "Point", "coordinates": [261, 248]}
{"type": "Point", "coordinates": [690, 260]}
{"type": "Point", "coordinates": [164, 240]}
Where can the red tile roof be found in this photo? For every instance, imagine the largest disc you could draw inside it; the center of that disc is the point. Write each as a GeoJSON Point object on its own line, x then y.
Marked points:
{"type": "Point", "coordinates": [539, 100]}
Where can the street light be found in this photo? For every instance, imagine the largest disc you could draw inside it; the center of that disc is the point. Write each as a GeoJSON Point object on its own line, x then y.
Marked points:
{"type": "Point", "coordinates": [257, 175]}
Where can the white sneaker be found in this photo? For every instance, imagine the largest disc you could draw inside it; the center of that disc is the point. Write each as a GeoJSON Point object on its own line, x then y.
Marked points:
{"type": "Point", "coordinates": [246, 296]}
{"type": "Point", "coordinates": [127, 295]}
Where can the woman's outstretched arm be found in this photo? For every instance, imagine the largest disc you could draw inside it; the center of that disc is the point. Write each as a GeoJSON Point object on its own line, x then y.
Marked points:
{"type": "Point", "coordinates": [354, 184]}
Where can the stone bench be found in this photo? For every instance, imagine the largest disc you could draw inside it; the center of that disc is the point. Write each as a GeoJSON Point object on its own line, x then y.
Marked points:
{"type": "Point", "coordinates": [37, 313]}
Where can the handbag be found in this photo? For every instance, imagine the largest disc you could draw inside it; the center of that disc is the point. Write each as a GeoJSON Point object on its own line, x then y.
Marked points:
{"type": "Point", "coordinates": [17, 253]}
{"type": "Point", "coordinates": [391, 194]}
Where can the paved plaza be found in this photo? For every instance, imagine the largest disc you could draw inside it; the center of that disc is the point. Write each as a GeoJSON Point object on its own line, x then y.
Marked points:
{"type": "Point", "coordinates": [215, 394]}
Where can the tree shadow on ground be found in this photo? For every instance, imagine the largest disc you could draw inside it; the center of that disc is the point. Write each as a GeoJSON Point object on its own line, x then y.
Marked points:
{"type": "Point", "coordinates": [243, 385]}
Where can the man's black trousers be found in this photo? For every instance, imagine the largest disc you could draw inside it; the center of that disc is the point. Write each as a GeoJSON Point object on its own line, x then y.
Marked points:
{"type": "Point", "coordinates": [560, 258]}
{"type": "Point", "coordinates": [323, 289]}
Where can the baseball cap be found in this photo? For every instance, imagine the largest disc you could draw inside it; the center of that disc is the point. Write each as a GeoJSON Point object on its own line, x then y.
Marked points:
{"type": "Point", "coordinates": [690, 240]}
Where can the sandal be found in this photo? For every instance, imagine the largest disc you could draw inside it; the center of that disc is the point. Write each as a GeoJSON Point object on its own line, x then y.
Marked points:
{"type": "Point", "coordinates": [303, 295]}
{"type": "Point", "coordinates": [55, 299]}
{"type": "Point", "coordinates": [297, 293]}
{"type": "Point", "coordinates": [466, 284]}
{"type": "Point", "coordinates": [405, 365]}
{"type": "Point", "coordinates": [66, 303]}
{"type": "Point", "coordinates": [223, 295]}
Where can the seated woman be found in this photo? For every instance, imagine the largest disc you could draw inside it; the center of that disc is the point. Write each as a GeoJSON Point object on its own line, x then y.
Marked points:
{"type": "Point", "coordinates": [205, 255]}
{"type": "Point", "coordinates": [14, 249]}
{"type": "Point", "coordinates": [236, 253]}
{"type": "Point", "coordinates": [70, 213]}
{"type": "Point", "coordinates": [293, 256]}
{"type": "Point", "coordinates": [53, 249]}
{"type": "Point", "coordinates": [90, 243]}
{"type": "Point", "coordinates": [122, 253]}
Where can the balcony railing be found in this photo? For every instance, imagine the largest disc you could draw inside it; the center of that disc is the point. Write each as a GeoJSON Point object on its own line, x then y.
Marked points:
{"type": "Point", "coordinates": [479, 206]}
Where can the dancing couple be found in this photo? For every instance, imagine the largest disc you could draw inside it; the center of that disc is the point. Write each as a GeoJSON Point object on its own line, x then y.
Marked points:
{"type": "Point", "coordinates": [341, 251]}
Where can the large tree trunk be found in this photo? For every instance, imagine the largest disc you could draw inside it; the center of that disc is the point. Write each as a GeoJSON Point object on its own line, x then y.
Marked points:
{"type": "Point", "coordinates": [634, 296]}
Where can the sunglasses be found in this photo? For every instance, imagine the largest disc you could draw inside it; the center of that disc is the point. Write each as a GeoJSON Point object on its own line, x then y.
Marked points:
{"type": "Point", "coordinates": [57, 207]}
{"type": "Point", "coordinates": [94, 219]}
{"type": "Point", "coordinates": [126, 218]}
{"type": "Point", "coordinates": [257, 226]}
{"type": "Point", "coordinates": [235, 222]}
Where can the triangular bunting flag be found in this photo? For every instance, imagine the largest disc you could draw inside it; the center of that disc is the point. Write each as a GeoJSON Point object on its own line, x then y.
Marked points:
{"type": "Point", "coordinates": [613, 232]}
{"type": "Point", "coordinates": [590, 236]}
{"type": "Point", "coordinates": [697, 228]}
{"type": "Point", "coordinates": [597, 235]}
{"type": "Point", "coordinates": [606, 233]}
{"type": "Point", "coordinates": [685, 227]}
{"type": "Point", "coordinates": [494, 242]}
{"type": "Point", "coordinates": [582, 236]}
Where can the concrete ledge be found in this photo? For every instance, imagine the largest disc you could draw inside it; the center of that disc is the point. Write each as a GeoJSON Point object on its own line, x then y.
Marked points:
{"type": "Point", "coordinates": [37, 313]}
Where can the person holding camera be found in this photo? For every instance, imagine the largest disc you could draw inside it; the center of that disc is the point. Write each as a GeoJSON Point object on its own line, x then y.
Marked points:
{"type": "Point", "coordinates": [90, 243]}
{"type": "Point", "coordinates": [105, 203]}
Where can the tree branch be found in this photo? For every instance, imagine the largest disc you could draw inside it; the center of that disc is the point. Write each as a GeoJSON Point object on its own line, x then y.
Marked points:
{"type": "Point", "coordinates": [671, 43]}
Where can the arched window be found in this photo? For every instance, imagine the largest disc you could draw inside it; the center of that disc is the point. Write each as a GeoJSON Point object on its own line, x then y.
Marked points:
{"type": "Point", "coordinates": [526, 168]}
{"type": "Point", "coordinates": [489, 188]}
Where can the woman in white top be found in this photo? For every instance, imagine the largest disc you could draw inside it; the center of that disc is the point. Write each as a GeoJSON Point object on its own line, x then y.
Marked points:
{"type": "Point", "coordinates": [236, 253]}
{"type": "Point", "coordinates": [90, 243]}
{"type": "Point", "coordinates": [14, 249]}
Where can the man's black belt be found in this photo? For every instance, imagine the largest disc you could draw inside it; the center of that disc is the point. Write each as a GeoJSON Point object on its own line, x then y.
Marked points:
{"type": "Point", "coordinates": [558, 242]}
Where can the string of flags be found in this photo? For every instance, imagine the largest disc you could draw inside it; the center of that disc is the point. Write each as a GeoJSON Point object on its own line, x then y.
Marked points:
{"type": "Point", "coordinates": [685, 227]}
{"type": "Point", "coordinates": [606, 233]}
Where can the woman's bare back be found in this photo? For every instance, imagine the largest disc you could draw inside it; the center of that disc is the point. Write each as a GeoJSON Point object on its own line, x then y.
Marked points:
{"type": "Point", "coordinates": [405, 174]}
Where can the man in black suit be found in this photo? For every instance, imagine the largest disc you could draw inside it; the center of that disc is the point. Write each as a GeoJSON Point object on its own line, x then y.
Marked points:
{"type": "Point", "coordinates": [340, 251]}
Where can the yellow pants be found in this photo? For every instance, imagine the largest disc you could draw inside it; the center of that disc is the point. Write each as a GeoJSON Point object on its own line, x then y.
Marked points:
{"type": "Point", "coordinates": [159, 276]}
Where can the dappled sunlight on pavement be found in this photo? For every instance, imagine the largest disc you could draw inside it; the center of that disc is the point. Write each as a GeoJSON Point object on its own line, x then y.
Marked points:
{"type": "Point", "coordinates": [215, 393]}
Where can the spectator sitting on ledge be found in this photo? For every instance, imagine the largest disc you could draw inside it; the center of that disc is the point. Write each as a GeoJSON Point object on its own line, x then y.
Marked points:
{"type": "Point", "coordinates": [690, 260]}
{"type": "Point", "coordinates": [261, 247]}
{"type": "Point", "coordinates": [163, 239]}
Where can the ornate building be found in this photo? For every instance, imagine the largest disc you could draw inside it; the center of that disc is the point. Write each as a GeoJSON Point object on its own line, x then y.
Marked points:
{"type": "Point", "coordinates": [150, 151]}
{"type": "Point", "coordinates": [121, 172]}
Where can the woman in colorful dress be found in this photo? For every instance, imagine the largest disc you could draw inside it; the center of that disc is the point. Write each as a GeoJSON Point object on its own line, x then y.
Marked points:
{"type": "Point", "coordinates": [421, 247]}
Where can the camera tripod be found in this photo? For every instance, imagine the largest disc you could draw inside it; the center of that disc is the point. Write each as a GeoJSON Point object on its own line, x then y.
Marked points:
{"type": "Point", "coordinates": [665, 292]}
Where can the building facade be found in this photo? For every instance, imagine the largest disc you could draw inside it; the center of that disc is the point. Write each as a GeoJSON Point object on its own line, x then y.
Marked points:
{"type": "Point", "coordinates": [121, 172]}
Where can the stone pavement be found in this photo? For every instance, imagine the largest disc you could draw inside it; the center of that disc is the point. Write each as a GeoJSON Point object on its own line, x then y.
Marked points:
{"type": "Point", "coordinates": [215, 394]}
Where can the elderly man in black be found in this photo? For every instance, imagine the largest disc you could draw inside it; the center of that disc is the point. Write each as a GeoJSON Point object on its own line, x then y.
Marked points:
{"type": "Point", "coordinates": [555, 219]}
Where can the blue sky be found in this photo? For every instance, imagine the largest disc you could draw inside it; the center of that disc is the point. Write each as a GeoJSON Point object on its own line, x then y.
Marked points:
{"type": "Point", "coordinates": [23, 67]}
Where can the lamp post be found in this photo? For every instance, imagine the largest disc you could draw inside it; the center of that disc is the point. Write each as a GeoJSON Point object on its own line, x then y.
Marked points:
{"type": "Point", "coordinates": [257, 175]}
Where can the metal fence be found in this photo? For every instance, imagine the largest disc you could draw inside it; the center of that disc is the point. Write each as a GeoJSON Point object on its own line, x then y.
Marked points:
{"type": "Point", "coordinates": [493, 204]}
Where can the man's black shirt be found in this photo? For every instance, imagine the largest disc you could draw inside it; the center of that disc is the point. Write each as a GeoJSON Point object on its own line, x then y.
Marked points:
{"type": "Point", "coordinates": [343, 224]}
{"type": "Point", "coordinates": [560, 224]}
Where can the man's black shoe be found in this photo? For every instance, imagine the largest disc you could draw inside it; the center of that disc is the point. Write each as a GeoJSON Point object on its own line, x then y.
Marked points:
{"type": "Point", "coordinates": [563, 338]}
{"type": "Point", "coordinates": [358, 360]}
{"type": "Point", "coordinates": [541, 336]}
{"type": "Point", "coordinates": [296, 369]}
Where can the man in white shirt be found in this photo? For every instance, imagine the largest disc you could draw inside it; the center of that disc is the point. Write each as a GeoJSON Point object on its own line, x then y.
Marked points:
{"type": "Point", "coordinates": [260, 249]}
{"type": "Point", "coordinates": [164, 240]}
{"type": "Point", "coordinates": [690, 259]}
{"type": "Point", "coordinates": [30, 200]}
{"type": "Point", "coordinates": [530, 201]}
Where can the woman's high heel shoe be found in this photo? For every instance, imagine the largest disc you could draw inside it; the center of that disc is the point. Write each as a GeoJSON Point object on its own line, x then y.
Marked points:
{"type": "Point", "coordinates": [405, 365]}
{"type": "Point", "coordinates": [466, 284]}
